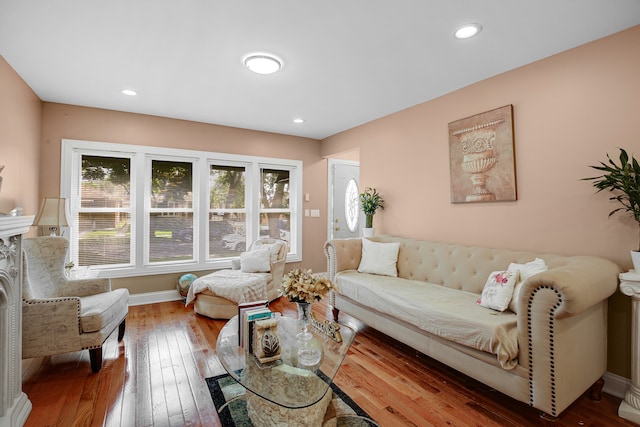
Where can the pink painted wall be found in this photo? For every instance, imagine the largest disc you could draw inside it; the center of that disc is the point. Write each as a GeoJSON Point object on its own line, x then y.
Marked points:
{"type": "Point", "coordinates": [20, 115]}
{"type": "Point", "coordinates": [569, 111]}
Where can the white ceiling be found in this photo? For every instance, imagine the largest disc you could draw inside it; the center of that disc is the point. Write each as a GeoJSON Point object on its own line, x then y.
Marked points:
{"type": "Point", "coordinates": [347, 62]}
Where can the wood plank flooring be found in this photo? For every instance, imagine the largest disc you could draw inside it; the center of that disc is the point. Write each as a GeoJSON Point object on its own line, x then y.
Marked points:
{"type": "Point", "coordinates": [155, 377]}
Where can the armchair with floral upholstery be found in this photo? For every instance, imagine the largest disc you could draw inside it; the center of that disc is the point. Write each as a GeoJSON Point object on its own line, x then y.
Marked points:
{"type": "Point", "coordinates": [61, 315]}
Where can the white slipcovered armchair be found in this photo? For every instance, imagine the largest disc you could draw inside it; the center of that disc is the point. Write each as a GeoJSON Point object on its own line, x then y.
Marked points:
{"type": "Point", "coordinates": [61, 315]}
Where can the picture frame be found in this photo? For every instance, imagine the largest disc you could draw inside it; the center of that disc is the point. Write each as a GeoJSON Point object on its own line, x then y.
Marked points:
{"type": "Point", "coordinates": [482, 157]}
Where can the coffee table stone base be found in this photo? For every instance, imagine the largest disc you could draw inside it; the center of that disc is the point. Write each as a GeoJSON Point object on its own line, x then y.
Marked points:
{"type": "Point", "coordinates": [268, 414]}
{"type": "Point", "coordinates": [285, 383]}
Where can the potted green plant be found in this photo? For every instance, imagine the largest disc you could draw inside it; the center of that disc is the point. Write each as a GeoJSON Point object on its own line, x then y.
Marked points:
{"type": "Point", "coordinates": [623, 180]}
{"type": "Point", "coordinates": [370, 201]}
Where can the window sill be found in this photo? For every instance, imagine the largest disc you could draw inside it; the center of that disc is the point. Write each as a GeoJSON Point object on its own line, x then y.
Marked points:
{"type": "Point", "coordinates": [187, 267]}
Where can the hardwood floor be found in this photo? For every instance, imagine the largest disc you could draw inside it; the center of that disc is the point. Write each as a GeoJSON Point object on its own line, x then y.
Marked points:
{"type": "Point", "coordinates": [155, 376]}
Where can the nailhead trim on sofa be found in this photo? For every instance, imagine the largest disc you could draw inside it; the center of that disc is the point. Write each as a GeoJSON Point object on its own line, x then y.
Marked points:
{"type": "Point", "coordinates": [551, 347]}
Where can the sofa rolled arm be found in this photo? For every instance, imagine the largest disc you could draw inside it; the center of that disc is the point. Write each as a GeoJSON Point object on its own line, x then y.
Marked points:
{"type": "Point", "coordinates": [555, 307]}
{"type": "Point", "coordinates": [342, 254]}
{"type": "Point", "coordinates": [579, 284]}
{"type": "Point", "coordinates": [85, 287]}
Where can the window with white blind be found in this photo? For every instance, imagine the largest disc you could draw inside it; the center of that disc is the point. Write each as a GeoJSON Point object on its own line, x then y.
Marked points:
{"type": "Point", "coordinates": [148, 210]}
{"type": "Point", "coordinates": [275, 210]}
{"type": "Point", "coordinates": [170, 212]}
{"type": "Point", "coordinates": [102, 210]}
{"type": "Point", "coordinates": [227, 209]}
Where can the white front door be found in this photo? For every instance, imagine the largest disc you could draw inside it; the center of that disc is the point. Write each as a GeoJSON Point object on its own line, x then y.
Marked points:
{"type": "Point", "coordinates": [344, 204]}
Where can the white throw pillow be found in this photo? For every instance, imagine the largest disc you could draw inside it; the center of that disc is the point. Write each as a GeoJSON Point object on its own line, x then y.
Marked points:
{"type": "Point", "coordinates": [379, 258]}
{"type": "Point", "coordinates": [525, 271]}
{"type": "Point", "coordinates": [255, 262]}
{"type": "Point", "coordinates": [272, 248]}
{"type": "Point", "coordinates": [498, 290]}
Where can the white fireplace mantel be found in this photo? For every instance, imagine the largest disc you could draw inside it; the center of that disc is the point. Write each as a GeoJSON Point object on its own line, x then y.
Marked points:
{"type": "Point", "coordinates": [14, 404]}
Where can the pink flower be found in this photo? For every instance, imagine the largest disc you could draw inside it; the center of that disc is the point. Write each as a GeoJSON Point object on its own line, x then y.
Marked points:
{"type": "Point", "coordinates": [502, 277]}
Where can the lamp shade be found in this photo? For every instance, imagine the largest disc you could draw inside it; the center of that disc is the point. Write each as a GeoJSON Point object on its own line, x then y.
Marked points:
{"type": "Point", "coordinates": [52, 213]}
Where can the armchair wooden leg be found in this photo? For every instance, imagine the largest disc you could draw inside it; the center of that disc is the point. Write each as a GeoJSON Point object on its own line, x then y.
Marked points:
{"type": "Point", "coordinates": [95, 356]}
{"type": "Point", "coordinates": [121, 329]}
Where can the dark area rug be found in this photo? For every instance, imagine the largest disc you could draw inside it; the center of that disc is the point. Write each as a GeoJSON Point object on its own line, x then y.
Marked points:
{"type": "Point", "coordinates": [229, 395]}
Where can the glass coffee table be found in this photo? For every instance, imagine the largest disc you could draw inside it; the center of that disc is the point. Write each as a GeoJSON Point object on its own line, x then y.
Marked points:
{"type": "Point", "coordinates": [283, 392]}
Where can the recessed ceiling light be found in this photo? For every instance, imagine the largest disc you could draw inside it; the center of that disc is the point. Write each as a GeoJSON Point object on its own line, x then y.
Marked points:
{"type": "Point", "coordinates": [467, 31]}
{"type": "Point", "coordinates": [262, 63]}
{"type": "Point", "coordinates": [298, 120]}
{"type": "Point", "coordinates": [129, 92]}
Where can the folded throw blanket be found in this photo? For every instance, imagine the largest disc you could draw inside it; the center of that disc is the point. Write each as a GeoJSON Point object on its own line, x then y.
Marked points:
{"type": "Point", "coordinates": [448, 313]}
{"type": "Point", "coordinates": [233, 285]}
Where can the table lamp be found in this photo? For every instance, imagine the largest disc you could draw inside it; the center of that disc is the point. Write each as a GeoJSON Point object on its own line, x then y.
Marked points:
{"type": "Point", "coordinates": [52, 214]}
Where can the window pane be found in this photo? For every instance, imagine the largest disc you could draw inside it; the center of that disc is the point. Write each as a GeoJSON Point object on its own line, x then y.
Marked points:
{"type": "Point", "coordinates": [104, 238]}
{"type": "Point", "coordinates": [171, 184]}
{"type": "Point", "coordinates": [106, 182]}
{"type": "Point", "coordinates": [232, 243]}
{"type": "Point", "coordinates": [275, 189]}
{"type": "Point", "coordinates": [220, 226]}
{"type": "Point", "coordinates": [275, 225]}
{"type": "Point", "coordinates": [170, 237]}
{"type": "Point", "coordinates": [226, 185]}
{"type": "Point", "coordinates": [227, 230]}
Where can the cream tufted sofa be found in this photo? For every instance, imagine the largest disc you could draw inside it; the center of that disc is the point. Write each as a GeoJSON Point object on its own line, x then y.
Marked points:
{"type": "Point", "coordinates": [559, 332]}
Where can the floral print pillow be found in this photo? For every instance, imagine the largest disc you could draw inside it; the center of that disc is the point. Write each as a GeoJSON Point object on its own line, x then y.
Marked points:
{"type": "Point", "coordinates": [498, 290]}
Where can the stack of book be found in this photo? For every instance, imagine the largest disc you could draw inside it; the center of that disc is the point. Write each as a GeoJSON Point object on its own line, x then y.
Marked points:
{"type": "Point", "coordinates": [248, 313]}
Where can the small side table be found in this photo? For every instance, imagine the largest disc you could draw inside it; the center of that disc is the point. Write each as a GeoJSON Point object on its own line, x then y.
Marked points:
{"type": "Point", "coordinates": [630, 407]}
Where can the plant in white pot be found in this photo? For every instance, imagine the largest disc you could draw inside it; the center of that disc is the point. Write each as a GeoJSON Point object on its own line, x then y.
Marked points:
{"type": "Point", "coordinates": [623, 180]}
{"type": "Point", "coordinates": [370, 201]}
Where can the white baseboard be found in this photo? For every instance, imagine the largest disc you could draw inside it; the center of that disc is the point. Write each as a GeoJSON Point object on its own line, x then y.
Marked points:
{"type": "Point", "coordinates": [153, 297]}
{"type": "Point", "coordinates": [615, 385]}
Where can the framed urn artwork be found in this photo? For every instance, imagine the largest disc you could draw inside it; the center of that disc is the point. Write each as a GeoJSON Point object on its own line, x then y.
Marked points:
{"type": "Point", "coordinates": [482, 157]}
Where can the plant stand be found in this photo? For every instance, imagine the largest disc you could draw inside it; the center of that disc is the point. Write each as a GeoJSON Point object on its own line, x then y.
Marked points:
{"type": "Point", "coordinates": [630, 407]}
